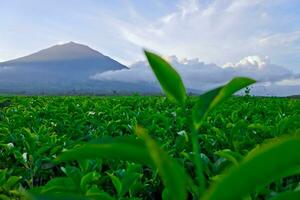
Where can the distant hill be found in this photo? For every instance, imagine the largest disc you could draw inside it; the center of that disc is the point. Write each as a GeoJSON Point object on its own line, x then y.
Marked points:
{"type": "Point", "coordinates": [63, 69]}
{"type": "Point", "coordinates": [70, 61]}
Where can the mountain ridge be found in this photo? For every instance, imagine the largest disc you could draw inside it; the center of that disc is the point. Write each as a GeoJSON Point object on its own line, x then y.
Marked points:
{"type": "Point", "coordinates": [61, 52]}
{"type": "Point", "coordinates": [59, 63]}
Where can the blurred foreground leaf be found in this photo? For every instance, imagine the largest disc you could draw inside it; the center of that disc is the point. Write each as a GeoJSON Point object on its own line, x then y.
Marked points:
{"type": "Point", "coordinates": [121, 149]}
{"type": "Point", "coordinates": [213, 98]}
{"type": "Point", "coordinates": [173, 175]}
{"type": "Point", "coordinates": [168, 78]}
{"type": "Point", "coordinates": [262, 165]}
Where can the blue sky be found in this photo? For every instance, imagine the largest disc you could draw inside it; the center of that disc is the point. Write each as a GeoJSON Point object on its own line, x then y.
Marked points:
{"type": "Point", "coordinates": [215, 31]}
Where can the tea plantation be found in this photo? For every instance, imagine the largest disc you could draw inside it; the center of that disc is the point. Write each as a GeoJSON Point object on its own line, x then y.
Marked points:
{"type": "Point", "coordinates": [35, 130]}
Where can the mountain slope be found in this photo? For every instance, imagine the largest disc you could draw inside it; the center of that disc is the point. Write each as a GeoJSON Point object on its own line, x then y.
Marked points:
{"type": "Point", "coordinates": [70, 61]}
{"type": "Point", "coordinates": [67, 54]}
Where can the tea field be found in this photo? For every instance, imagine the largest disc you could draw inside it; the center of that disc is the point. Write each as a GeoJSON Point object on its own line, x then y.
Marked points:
{"type": "Point", "coordinates": [35, 130]}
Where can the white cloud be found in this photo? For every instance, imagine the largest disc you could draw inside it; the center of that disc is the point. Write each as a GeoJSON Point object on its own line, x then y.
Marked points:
{"type": "Point", "coordinates": [260, 68]}
{"type": "Point", "coordinates": [201, 76]}
{"type": "Point", "coordinates": [138, 72]}
{"type": "Point", "coordinates": [220, 31]}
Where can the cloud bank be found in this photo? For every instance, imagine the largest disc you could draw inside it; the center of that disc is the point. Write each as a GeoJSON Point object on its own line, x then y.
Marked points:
{"type": "Point", "coordinates": [201, 76]}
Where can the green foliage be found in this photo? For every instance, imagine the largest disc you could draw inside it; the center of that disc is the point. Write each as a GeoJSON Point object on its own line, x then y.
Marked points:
{"type": "Point", "coordinates": [235, 127]}
{"type": "Point", "coordinates": [63, 184]}
{"type": "Point", "coordinates": [173, 175]}
{"type": "Point", "coordinates": [97, 156]}
{"type": "Point", "coordinates": [259, 168]}
{"type": "Point", "coordinates": [7, 185]}
{"type": "Point", "coordinates": [64, 196]}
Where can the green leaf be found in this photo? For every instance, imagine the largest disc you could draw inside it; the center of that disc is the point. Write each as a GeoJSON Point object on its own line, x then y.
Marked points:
{"type": "Point", "coordinates": [293, 171]}
{"type": "Point", "coordinates": [64, 196]}
{"type": "Point", "coordinates": [173, 175]}
{"type": "Point", "coordinates": [213, 98]}
{"type": "Point", "coordinates": [4, 197]}
{"type": "Point", "coordinates": [3, 176]}
{"type": "Point", "coordinates": [98, 194]}
{"type": "Point", "coordinates": [203, 103]}
{"type": "Point", "coordinates": [232, 156]}
{"type": "Point", "coordinates": [127, 181]}
{"type": "Point", "coordinates": [60, 184]}
{"type": "Point", "coordinates": [295, 195]}
{"type": "Point", "coordinates": [11, 181]}
{"type": "Point", "coordinates": [168, 78]}
{"type": "Point", "coordinates": [121, 149]}
{"type": "Point", "coordinates": [116, 182]}
{"type": "Point", "coordinates": [165, 195]}
{"type": "Point", "coordinates": [260, 167]}
{"type": "Point", "coordinates": [87, 179]}
{"type": "Point", "coordinates": [84, 165]}
{"type": "Point", "coordinates": [73, 173]}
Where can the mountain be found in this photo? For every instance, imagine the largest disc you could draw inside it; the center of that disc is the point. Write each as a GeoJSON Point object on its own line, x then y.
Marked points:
{"type": "Point", "coordinates": [62, 69]}
{"type": "Point", "coordinates": [70, 55]}
{"type": "Point", "coordinates": [70, 61]}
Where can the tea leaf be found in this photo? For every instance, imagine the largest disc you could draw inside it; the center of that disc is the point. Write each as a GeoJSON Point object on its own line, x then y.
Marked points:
{"type": "Point", "coordinates": [64, 196]}
{"type": "Point", "coordinates": [118, 150]}
{"type": "Point", "coordinates": [116, 182]}
{"type": "Point", "coordinates": [95, 193]}
{"type": "Point", "coordinates": [61, 184]}
{"type": "Point", "coordinates": [88, 178]}
{"type": "Point", "coordinates": [258, 169]}
{"type": "Point", "coordinates": [213, 98]}
{"type": "Point", "coordinates": [11, 181]}
{"type": "Point", "coordinates": [168, 78]}
{"type": "Point", "coordinates": [174, 176]}
{"type": "Point", "coordinates": [295, 195]}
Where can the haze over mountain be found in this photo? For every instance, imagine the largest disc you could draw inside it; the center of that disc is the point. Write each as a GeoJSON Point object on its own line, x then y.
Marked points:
{"type": "Point", "coordinates": [63, 69]}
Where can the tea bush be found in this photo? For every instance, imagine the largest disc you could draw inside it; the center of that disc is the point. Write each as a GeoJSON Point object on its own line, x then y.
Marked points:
{"type": "Point", "coordinates": [118, 147]}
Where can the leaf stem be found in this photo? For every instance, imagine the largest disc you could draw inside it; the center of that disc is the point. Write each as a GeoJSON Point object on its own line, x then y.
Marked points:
{"type": "Point", "coordinates": [197, 161]}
